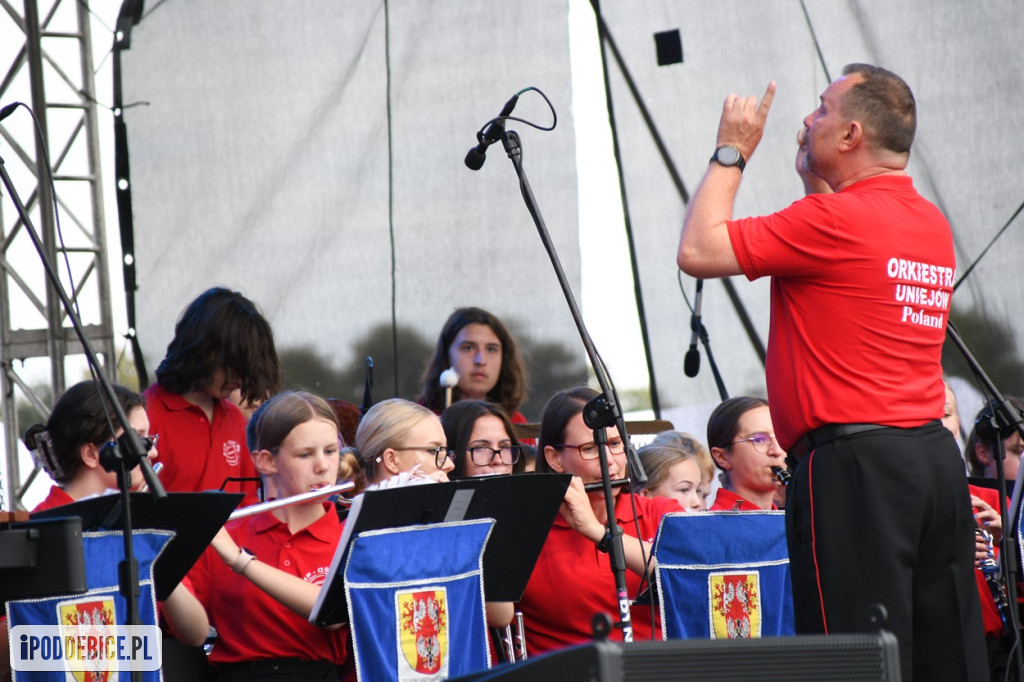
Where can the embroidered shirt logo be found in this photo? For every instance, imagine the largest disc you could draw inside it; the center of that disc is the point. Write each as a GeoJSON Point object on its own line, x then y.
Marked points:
{"type": "Point", "coordinates": [735, 605]}
{"type": "Point", "coordinates": [422, 616]}
{"type": "Point", "coordinates": [318, 576]}
{"type": "Point", "coordinates": [232, 452]}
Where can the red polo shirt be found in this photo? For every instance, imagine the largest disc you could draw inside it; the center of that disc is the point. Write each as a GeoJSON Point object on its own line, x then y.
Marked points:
{"type": "Point", "coordinates": [572, 580]}
{"type": "Point", "coordinates": [252, 625]}
{"type": "Point", "coordinates": [726, 500]}
{"type": "Point", "coordinates": [989, 612]}
{"type": "Point", "coordinates": [199, 454]}
{"type": "Point", "coordinates": [56, 498]}
{"type": "Point", "coordinates": [860, 294]}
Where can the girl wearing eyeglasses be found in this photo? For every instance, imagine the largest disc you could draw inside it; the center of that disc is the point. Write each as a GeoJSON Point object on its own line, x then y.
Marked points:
{"type": "Point", "coordinates": [68, 449]}
{"type": "Point", "coordinates": [481, 438]}
{"type": "Point", "coordinates": [400, 441]}
{"type": "Point", "coordinates": [398, 438]}
{"type": "Point", "coordinates": [572, 579]}
{"type": "Point", "coordinates": [77, 429]}
{"type": "Point", "coordinates": [743, 445]}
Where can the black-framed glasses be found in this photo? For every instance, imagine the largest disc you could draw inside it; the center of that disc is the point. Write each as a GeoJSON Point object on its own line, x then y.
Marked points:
{"type": "Point", "coordinates": [616, 446]}
{"type": "Point", "coordinates": [760, 440]}
{"type": "Point", "coordinates": [482, 455]}
{"type": "Point", "coordinates": [148, 442]}
{"type": "Point", "coordinates": [440, 453]}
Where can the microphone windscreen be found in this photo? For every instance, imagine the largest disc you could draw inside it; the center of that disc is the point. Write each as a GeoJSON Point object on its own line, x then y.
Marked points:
{"type": "Point", "coordinates": [691, 363]}
{"type": "Point", "coordinates": [475, 159]}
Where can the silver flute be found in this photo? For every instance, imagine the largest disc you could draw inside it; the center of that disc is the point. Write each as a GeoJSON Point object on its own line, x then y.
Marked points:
{"type": "Point", "coordinates": [254, 509]}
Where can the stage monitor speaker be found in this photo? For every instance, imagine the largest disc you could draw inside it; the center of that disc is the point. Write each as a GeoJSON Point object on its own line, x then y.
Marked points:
{"type": "Point", "coordinates": [811, 658]}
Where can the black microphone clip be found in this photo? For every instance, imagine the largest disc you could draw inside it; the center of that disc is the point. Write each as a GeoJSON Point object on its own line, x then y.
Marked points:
{"type": "Point", "coordinates": [489, 135]}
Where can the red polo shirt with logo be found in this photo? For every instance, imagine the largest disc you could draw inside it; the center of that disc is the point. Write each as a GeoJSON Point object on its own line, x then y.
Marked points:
{"type": "Point", "coordinates": [252, 625]}
{"type": "Point", "coordinates": [199, 454]}
{"type": "Point", "coordinates": [860, 294]}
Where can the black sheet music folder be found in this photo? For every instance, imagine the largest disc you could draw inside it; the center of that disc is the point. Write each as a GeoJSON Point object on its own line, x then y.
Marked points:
{"type": "Point", "coordinates": [523, 506]}
{"type": "Point", "coordinates": [194, 517]}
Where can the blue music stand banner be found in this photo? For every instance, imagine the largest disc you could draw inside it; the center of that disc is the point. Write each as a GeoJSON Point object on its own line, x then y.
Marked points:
{"type": "Point", "coordinates": [723, 575]}
{"type": "Point", "coordinates": [416, 601]}
{"type": "Point", "coordinates": [101, 605]}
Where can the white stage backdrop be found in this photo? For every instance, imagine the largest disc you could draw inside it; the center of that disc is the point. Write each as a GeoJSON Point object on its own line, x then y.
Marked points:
{"type": "Point", "coordinates": [964, 66]}
{"type": "Point", "coordinates": [276, 147]}
{"type": "Point", "coordinates": [261, 157]}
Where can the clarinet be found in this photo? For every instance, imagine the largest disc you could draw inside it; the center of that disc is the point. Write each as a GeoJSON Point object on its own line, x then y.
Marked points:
{"type": "Point", "coordinates": [990, 569]}
{"type": "Point", "coordinates": [782, 475]}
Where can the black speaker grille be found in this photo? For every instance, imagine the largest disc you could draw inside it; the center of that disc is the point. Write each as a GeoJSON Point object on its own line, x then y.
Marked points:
{"type": "Point", "coordinates": [783, 659]}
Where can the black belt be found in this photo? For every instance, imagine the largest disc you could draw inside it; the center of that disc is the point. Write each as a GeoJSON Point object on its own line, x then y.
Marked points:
{"type": "Point", "coordinates": [830, 432]}
{"type": "Point", "coordinates": [280, 667]}
{"type": "Point", "coordinates": [826, 434]}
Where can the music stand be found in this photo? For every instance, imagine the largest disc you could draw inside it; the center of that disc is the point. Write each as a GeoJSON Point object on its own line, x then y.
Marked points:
{"type": "Point", "coordinates": [520, 529]}
{"type": "Point", "coordinates": [41, 559]}
{"type": "Point", "coordinates": [194, 517]}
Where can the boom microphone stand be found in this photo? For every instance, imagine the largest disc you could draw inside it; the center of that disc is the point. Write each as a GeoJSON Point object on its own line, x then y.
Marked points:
{"type": "Point", "coordinates": [1004, 421]}
{"type": "Point", "coordinates": [601, 412]}
{"type": "Point", "coordinates": [130, 449]}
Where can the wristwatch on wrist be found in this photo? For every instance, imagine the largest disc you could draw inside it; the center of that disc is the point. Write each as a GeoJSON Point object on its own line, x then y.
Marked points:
{"type": "Point", "coordinates": [729, 156]}
{"type": "Point", "coordinates": [605, 544]}
{"type": "Point", "coordinates": [244, 557]}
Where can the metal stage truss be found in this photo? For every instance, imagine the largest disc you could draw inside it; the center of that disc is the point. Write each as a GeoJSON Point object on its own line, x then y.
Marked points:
{"type": "Point", "coordinates": [53, 72]}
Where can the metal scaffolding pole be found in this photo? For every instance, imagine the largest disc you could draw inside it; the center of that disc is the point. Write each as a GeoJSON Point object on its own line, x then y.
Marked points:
{"type": "Point", "coordinates": [54, 71]}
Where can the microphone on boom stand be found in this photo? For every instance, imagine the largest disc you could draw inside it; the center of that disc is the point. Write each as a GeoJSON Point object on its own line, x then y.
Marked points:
{"type": "Point", "coordinates": [691, 363]}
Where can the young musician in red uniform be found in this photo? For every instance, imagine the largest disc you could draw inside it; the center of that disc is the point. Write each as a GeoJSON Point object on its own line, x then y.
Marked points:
{"type": "Point", "coordinates": [572, 580]}
{"type": "Point", "coordinates": [678, 466]}
{"type": "Point", "coordinates": [480, 436]}
{"type": "Point", "coordinates": [221, 343]}
{"type": "Point", "coordinates": [261, 577]}
{"type": "Point", "coordinates": [398, 440]}
{"type": "Point", "coordinates": [478, 346]}
{"type": "Point", "coordinates": [72, 437]}
{"type": "Point", "coordinates": [77, 429]}
{"type": "Point", "coordinates": [861, 278]}
{"type": "Point", "coordinates": [986, 511]}
{"type": "Point", "coordinates": [743, 444]}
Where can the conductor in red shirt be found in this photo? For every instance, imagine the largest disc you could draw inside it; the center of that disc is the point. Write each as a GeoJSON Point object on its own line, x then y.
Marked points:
{"type": "Point", "coordinates": [861, 278]}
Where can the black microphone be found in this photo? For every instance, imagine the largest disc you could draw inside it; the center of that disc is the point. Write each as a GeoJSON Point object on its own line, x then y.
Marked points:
{"type": "Point", "coordinates": [8, 110]}
{"type": "Point", "coordinates": [367, 387]}
{"type": "Point", "coordinates": [492, 133]}
{"type": "Point", "coordinates": [691, 363]}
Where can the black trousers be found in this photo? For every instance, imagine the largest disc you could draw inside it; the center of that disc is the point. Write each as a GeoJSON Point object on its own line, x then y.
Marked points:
{"type": "Point", "coordinates": [884, 517]}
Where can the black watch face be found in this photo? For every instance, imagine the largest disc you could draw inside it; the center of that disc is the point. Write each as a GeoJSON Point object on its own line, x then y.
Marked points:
{"type": "Point", "coordinates": [728, 156]}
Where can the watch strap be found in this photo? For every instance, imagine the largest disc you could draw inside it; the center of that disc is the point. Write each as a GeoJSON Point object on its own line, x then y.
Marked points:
{"type": "Point", "coordinates": [741, 163]}
{"type": "Point", "coordinates": [243, 560]}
